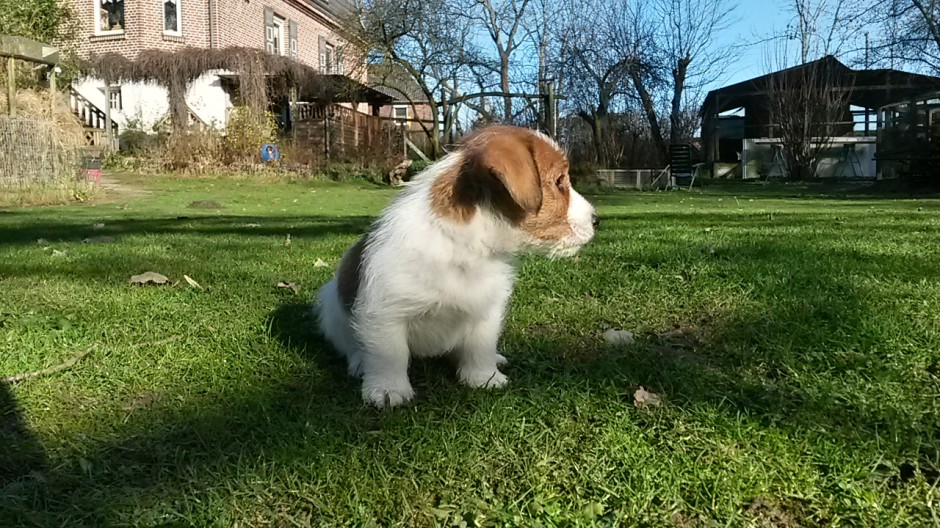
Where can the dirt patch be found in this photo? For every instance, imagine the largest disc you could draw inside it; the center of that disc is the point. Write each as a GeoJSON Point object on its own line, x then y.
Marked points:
{"type": "Point", "coordinates": [767, 514]}
{"type": "Point", "coordinates": [141, 400]}
{"type": "Point", "coordinates": [684, 520]}
{"type": "Point", "coordinates": [116, 189]}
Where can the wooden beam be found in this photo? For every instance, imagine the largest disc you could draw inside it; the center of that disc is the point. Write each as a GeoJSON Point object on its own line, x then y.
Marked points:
{"type": "Point", "coordinates": [28, 50]}
{"type": "Point", "coordinates": [462, 98]}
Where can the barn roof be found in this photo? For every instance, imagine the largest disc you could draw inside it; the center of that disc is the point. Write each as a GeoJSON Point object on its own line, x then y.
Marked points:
{"type": "Point", "coordinates": [867, 88]}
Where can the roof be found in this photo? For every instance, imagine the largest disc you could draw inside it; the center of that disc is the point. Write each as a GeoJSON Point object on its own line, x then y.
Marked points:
{"type": "Point", "coordinates": [329, 89]}
{"type": "Point", "coordinates": [340, 88]}
{"type": "Point", "coordinates": [395, 82]}
{"type": "Point", "coordinates": [338, 9]}
{"type": "Point", "coordinates": [868, 88]}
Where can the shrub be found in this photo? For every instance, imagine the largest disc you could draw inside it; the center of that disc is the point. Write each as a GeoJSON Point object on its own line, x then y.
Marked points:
{"type": "Point", "coordinates": [245, 132]}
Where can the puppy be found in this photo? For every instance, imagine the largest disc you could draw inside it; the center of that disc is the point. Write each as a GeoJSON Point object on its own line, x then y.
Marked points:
{"type": "Point", "coordinates": [434, 273]}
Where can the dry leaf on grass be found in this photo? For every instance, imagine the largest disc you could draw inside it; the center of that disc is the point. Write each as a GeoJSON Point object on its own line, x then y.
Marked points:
{"type": "Point", "coordinates": [97, 226]}
{"type": "Point", "coordinates": [57, 253]}
{"type": "Point", "coordinates": [644, 399]}
{"type": "Point", "coordinates": [149, 277]}
{"type": "Point", "coordinates": [191, 282]}
{"type": "Point", "coordinates": [290, 286]}
{"type": "Point", "coordinates": [616, 337]}
{"type": "Point", "coordinates": [320, 263]}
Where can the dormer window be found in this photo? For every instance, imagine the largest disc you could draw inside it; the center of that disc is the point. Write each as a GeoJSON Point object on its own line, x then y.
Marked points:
{"type": "Point", "coordinates": [172, 18]}
{"type": "Point", "coordinates": [109, 17]}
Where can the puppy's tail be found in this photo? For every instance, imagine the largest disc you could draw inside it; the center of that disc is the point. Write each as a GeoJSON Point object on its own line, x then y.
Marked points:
{"type": "Point", "coordinates": [334, 320]}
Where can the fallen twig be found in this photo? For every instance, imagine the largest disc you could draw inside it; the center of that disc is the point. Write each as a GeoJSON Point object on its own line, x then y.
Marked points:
{"type": "Point", "coordinates": [62, 366]}
{"type": "Point", "coordinates": [78, 357]}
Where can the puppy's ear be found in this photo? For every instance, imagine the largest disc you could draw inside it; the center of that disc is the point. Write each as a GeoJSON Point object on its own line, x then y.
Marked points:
{"type": "Point", "coordinates": [505, 161]}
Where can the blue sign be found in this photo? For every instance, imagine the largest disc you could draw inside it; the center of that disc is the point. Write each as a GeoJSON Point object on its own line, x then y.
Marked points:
{"type": "Point", "coordinates": [270, 152]}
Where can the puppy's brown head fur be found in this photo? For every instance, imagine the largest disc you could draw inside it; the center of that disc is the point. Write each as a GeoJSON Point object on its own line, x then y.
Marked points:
{"type": "Point", "coordinates": [519, 173]}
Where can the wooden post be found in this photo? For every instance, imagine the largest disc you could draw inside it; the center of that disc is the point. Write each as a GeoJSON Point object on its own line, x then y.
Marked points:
{"type": "Point", "coordinates": [11, 86]}
{"type": "Point", "coordinates": [326, 132]}
{"type": "Point", "coordinates": [550, 111]}
{"type": "Point", "coordinates": [107, 115]}
{"type": "Point", "coordinates": [52, 92]}
{"type": "Point", "coordinates": [448, 122]}
{"type": "Point", "coordinates": [291, 111]}
{"type": "Point", "coordinates": [357, 122]}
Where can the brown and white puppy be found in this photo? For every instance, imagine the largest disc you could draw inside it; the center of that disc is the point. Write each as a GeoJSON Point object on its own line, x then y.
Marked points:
{"type": "Point", "coordinates": [434, 273]}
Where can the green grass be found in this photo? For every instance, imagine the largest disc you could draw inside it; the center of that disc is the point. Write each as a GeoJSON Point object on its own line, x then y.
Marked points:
{"type": "Point", "coordinates": [793, 334]}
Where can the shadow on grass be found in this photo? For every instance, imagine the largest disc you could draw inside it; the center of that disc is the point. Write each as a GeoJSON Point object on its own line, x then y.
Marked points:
{"type": "Point", "coordinates": [20, 452]}
{"type": "Point", "coordinates": [826, 190]}
{"type": "Point", "coordinates": [313, 226]}
{"type": "Point", "coordinates": [800, 360]}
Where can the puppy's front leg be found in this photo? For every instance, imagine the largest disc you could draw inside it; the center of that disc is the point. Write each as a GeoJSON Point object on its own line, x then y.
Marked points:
{"type": "Point", "coordinates": [477, 357]}
{"type": "Point", "coordinates": [385, 364]}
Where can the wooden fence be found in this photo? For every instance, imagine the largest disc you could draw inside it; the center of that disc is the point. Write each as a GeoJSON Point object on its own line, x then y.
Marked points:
{"type": "Point", "coordinates": [342, 133]}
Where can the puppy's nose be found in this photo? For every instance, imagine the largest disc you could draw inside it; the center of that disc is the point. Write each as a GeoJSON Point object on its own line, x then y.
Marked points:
{"type": "Point", "coordinates": [595, 220]}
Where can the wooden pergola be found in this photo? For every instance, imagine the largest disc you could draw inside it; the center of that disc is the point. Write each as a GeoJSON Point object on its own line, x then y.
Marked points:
{"type": "Point", "coordinates": [22, 48]}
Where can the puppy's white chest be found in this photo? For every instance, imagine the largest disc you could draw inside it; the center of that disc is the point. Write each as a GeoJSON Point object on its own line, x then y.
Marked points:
{"type": "Point", "coordinates": [458, 300]}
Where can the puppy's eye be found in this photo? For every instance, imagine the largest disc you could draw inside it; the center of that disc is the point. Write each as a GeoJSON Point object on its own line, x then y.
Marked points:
{"type": "Point", "coordinates": [561, 182]}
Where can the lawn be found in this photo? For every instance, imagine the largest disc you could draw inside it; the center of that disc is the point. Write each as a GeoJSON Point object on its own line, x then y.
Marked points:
{"type": "Point", "coordinates": [792, 333]}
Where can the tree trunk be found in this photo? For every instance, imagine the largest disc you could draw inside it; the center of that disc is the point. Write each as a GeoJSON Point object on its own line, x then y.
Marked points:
{"type": "Point", "coordinates": [595, 121]}
{"type": "Point", "coordinates": [675, 116]}
{"type": "Point", "coordinates": [504, 85]}
{"type": "Point", "coordinates": [650, 109]}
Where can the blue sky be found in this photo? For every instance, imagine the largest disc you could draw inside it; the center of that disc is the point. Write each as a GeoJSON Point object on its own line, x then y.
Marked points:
{"type": "Point", "coordinates": [754, 20]}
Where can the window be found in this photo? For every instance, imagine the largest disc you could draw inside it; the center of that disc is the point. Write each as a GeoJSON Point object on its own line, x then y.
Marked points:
{"type": "Point", "coordinates": [278, 40]}
{"type": "Point", "coordinates": [110, 16]}
{"type": "Point", "coordinates": [340, 63]}
{"type": "Point", "coordinates": [329, 54]}
{"type": "Point", "coordinates": [400, 114]}
{"type": "Point", "coordinates": [172, 17]}
{"type": "Point", "coordinates": [115, 98]}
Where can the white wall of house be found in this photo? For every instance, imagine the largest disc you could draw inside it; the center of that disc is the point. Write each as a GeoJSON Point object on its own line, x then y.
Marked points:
{"type": "Point", "coordinates": [144, 105]}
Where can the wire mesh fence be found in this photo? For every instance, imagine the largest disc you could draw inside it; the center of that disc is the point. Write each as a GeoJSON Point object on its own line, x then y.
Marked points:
{"type": "Point", "coordinates": [33, 151]}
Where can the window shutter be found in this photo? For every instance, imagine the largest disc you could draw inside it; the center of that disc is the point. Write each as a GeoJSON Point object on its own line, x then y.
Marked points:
{"type": "Point", "coordinates": [269, 30]}
{"type": "Point", "coordinates": [322, 49]}
{"type": "Point", "coordinates": [292, 38]}
{"type": "Point", "coordinates": [340, 63]}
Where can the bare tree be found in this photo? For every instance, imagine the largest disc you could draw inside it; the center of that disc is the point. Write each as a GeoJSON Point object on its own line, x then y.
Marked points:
{"type": "Point", "coordinates": [502, 21]}
{"type": "Point", "coordinates": [810, 106]}
{"type": "Point", "coordinates": [424, 38]}
{"type": "Point", "coordinates": [824, 27]}
{"type": "Point", "coordinates": [597, 57]}
{"type": "Point", "coordinates": [548, 28]}
{"type": "Point", "coordinates": [689, 29]}
{"type": "Point", "coordinates": [909, 32]}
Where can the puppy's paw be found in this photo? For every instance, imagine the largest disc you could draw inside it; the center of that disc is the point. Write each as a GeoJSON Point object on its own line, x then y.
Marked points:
{"type": "Point", "coordinates": [479, 379]}
{"type": "Point", "coordinates": [386, 394]}
{"type": "Point", "coordinates": [501, 360]}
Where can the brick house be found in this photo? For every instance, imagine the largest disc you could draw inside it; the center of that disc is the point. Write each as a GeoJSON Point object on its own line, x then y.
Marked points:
{"type": "Point", "coordinates": [306, 30]}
